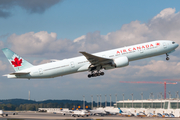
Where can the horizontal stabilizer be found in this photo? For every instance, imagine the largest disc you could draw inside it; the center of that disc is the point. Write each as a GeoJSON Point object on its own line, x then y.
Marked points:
{"type": "Point", "coordinates": [19, 73]}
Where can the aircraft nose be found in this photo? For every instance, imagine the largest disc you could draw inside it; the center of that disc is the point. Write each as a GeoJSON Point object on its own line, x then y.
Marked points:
{"type": "Point", "coordinates": [177, 45]}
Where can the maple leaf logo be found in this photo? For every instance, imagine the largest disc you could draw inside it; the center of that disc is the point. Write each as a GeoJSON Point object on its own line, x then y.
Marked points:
{"type": "Point", "coordinates": [16, 62]}
{"type": "Point", "coordinates": [157, 43]}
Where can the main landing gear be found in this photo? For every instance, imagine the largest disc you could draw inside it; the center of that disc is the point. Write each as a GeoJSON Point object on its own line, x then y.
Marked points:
{"type": "Point", "coordinates": [167, 58]}
{"type": "Point", "coordinates": [95, 74]}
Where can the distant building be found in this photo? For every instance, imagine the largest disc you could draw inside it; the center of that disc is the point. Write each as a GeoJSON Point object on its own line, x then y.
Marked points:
{"type": "Point", "coordinates": [154, 106]}
{"type": "Point", "coordinates": [151, 103]}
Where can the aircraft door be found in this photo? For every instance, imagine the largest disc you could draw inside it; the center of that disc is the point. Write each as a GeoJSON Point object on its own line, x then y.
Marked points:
{"type": "Point", "coordinates": [40, 71]}
{"type": "Point", "coordinates": [72, 65]}
{"type": "Point", "coordinates": [164, 45]}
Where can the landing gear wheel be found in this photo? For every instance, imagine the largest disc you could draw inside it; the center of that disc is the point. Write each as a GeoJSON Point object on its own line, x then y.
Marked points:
{"type": "Point", "coordinates": [102, 73]}
{"type": "Point", "coordinates": [95, 74]}
{"type": "Point", "coordinates": [89, 76]}
{"type": "Point", "coordinates": [167, 58]}
{"type": "Point", "coordinates": [92, 75]}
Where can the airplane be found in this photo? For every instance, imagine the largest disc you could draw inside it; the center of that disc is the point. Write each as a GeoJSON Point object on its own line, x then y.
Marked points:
{"type": "Point", "coordinates": [141, 114]}
{"type": "Point", "coordinates": [150, 115]}
{"type": "Point", "coordinates": [159, 115]}
{"type": "Point", "coordinates": [94, 63]}
{"type": "Point", "coordinates": [60, 111]}
{"type": "Point", "coordinates": [171, 115]}
{"type": "Point", "coordinates": [166, 115]}
{"type": "Point", "coordinates": [74, 113]}
{"type": "Point", "coordinates": [64, 112]}
{"type": "Point", "coordinates": [2, 113]}
{"type": "Point", "coordinates": [78, 113]}
{"type": "Point", "coordinates": [113, 111]}
{"type": "Point", "coordinates": [100, 112]}
{"type": "Point", "coordinates": [126, 113]}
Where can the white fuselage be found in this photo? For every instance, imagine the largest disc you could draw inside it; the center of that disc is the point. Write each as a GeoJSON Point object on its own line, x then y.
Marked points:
{"type": "Point", "coordinates": [79, 113]}
{"type": "Point", "coordinates": [80, 64]}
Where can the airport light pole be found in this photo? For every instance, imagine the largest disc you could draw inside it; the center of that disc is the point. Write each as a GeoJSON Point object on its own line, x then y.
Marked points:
{"type": "Point", "coordinates": [92, 102]}
{"type": "Point", "coordinates": [161, 99]}
{"type": "Point", "coordinates": [97, 101]}
{"type": "Point", "coordinates": [29, 95]}
{"type": "Point", "coordinates": [177, 94]}
{"type": "Point", "coordinates": [152, 100]}
{"type": "Point", "coordinates": [161, 95]}
{"type": "Point", "coordinates": [169, 95]}
{"type": "Point", "coordinates": [132, 99]}
{"type": "Point", "coordinates": [83, 102]}
{"type": "Point", "coordinates": [142, 99]}
{"type": "Point", "coordinates": [105, 101]}
{"type": "Point", "coordinates": [116, 99]}
{"type": "Point", "coordinates": [100, 100]}
{"type": "Point", "coordinates": [123, 100]}
{"type": "Point", "coordinates": [110, 100]}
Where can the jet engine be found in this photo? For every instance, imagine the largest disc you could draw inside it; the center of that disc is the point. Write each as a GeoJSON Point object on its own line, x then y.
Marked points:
{"type": "Point", "coordinates": [120, 61]}
{"type": "Point", "coordinates": [117, 62]}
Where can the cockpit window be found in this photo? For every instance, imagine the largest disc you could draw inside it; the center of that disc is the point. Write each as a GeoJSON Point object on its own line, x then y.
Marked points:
{"type": "Point", "coordinates": [173, 42]}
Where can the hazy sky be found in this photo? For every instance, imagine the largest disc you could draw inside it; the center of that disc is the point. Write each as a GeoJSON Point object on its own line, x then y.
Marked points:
{"type": "Point", "coordinates": [40, 30]}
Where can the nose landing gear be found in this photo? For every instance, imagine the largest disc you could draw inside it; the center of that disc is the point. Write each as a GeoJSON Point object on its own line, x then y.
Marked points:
{"type": "Point", "coordinates": [167, 57]}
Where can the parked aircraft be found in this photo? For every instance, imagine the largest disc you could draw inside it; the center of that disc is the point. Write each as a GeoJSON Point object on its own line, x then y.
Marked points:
{"type": "Point", "coordinates": [2, 113]}
{"type": "Point", "coordinates": [150, 115]}
{"type": "Point", "coordinates": [171, 115]}
{"type": "Point", "coordinates": [93, 63]}
{"type": "Point", "coordinates": [79, 113]}
{"type": "Point", "coordinates": [113, 111]}
{"type": "Point", "coordinates": [159, 115]}
{"type": "Point", "coordinates": [141, 114]}
{"type": "Point", "coordinates": [100, 112]}
{"type": "Point", "coordinates": [61, 111]}
{"type": "Point", "coordinates": [165, 115]}
{"type": "Point", "coordinates": [126, 113]}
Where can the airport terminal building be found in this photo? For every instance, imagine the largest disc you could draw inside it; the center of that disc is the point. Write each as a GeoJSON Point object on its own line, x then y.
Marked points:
{"type": "Point", "coordinates": [151, 106]}
{"type": "Point", "coordinates": [155, 104]}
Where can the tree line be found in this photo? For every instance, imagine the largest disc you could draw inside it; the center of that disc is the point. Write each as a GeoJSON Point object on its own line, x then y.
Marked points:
{"type": "Point", "coordinates": [29, 105]}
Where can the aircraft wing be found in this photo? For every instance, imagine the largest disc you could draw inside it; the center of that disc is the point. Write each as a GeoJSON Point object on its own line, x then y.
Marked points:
{"type": "Point", "coordinates": [96, 60]}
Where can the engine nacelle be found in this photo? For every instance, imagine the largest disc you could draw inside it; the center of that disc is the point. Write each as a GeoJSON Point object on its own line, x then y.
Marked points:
{"type": "Point", "coordinates": [117, 62]}
{"type": "Point", "coordinates": [120, 61]}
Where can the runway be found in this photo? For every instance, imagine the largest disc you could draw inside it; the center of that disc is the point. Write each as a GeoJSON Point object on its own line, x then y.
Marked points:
{"type": "Point", "coordinates": [51, 116]}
